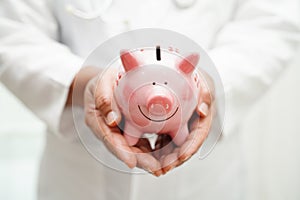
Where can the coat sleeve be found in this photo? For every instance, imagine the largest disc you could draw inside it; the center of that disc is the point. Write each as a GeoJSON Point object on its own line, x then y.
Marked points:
{"type": "Point", "coordinates": [252, 50]}
{"type": "Point", "coordinates": [36, 68]}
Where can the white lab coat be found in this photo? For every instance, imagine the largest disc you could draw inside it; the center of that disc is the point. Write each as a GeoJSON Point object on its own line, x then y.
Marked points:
{"type": "Point", "coordinates": [43, 44]}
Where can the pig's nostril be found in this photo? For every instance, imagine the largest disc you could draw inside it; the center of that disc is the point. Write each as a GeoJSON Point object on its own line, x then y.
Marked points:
{"type": "Point", "coordinates": [167, 106]}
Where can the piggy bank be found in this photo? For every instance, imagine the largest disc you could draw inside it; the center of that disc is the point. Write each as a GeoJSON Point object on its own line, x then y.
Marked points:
{"type": "Point", "coordinates": [157, 92]}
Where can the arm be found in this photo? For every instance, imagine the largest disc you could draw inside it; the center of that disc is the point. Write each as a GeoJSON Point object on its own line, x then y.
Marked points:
{"type": "Point", "coordinates": [45, 76]}
{"type": "Point", "coordinates": [252, 50]}
{"type": "Point", "coordinates": [34, 66]}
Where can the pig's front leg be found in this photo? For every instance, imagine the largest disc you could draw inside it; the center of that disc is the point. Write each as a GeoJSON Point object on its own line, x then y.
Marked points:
{"type": "Point", "coordinates": [179, 136]}
{"type": "Point", "coordinates": [131, 133]}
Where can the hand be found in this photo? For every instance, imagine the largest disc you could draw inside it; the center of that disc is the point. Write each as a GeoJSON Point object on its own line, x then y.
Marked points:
{"type": "Point", "coordinates": [102, 116]}
{"type": "Point", "coordinates": [171, 155]}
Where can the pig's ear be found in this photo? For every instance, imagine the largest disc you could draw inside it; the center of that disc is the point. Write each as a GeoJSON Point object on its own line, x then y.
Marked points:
{"type": "Point", "coordinates": [129, 61]}
{"type": "Point", "coordinates": [188, 63]}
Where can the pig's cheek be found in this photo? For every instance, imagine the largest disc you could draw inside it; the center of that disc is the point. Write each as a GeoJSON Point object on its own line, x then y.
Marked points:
{"type": "Point", "coordinates": [187, 94]}
{"type": "Point", "coordinates": [137, 117]}
{"type": "Point", "coordinates": [137, 99]}
{"type": "Point", "coordinates": [127, 92]}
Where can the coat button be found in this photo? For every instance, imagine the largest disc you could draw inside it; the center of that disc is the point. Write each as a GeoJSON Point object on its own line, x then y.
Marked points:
{"type": "Point", "coordinates": [184, 3]}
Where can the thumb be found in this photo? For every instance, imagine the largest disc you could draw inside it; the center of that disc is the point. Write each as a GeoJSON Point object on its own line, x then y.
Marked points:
{"type": "Point", "coordinates": [206, 95]}
{"type": "Point", "coordinates": [104, 98]}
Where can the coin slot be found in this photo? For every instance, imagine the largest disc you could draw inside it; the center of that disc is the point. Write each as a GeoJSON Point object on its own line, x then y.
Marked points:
{"type": "Point", "coordinates": [158, 53]}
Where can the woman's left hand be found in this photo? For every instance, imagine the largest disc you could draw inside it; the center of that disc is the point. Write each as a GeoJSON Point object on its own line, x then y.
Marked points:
{"type": "Point", "coordinates": [171, 155]}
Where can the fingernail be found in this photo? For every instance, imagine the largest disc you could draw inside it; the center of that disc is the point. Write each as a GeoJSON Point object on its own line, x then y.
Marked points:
{"type": "Point", "coordinates": [169, 168]}
{"type": "Point", "coordinates": [184, 158]}
{"type": "Point", "coordinates": [158, 173]}
{"type": "Point", "coordinates": [203, 109]}
{"type": "Point", "coordinates": [149, 170]}
{"type": "Point", "coordinates": [130, 166]}
{"type": "Point", "coordinates": [111, 118]}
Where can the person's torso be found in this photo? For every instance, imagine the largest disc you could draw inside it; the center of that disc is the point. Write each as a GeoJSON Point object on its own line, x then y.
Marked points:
{"type": "Point", "coordinates": [86, 24]}
{"type": "Point", "coordinates": [83, 27]}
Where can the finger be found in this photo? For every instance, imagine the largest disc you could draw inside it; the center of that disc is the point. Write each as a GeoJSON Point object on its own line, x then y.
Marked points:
{"type": "Point", "coordinates": [199, 132]}
{"type": "Point", "coordinates": [162, 140]}
{"type": "Point", "coordinates": [147, 162]}
{"type": "Point", "coordinates": [163, 146]}
{"type": "Point", "coordinates": [144, 145]}
{"type": "Point", "coordinates": [117, 144]}
{"type": "Point", "coordinates": [206, 95]}
{"type": "Point", "coordinates": [104, 100]}
{"type": "Point", "coordinates": [170, 161]}
{"type": "Point", "coordinates": [202, 109]}
{"type": "Point", "coordinates": [112, 138]}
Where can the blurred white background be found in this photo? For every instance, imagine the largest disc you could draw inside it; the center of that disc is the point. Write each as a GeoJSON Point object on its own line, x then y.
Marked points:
{"type": "Point", "coordinates": [271, 143]}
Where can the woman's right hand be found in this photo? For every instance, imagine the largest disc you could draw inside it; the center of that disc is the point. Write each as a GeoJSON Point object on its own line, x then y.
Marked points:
{"type": "Point", "coordinates": [102, 117]}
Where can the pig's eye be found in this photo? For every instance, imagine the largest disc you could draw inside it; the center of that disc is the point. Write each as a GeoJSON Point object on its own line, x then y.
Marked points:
{"type": "Point", "coordinates": [166, 83]}
{"type": "Point", "coordinates": [153, 83]}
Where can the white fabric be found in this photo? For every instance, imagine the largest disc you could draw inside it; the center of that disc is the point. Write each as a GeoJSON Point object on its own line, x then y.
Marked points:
{"type": "Point", "coordinates": [36, 68]}
{"type": "Point", "coordinates": [41, 47]}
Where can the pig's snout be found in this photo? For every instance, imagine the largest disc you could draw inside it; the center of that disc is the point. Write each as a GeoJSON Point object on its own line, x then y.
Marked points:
{"type": "Point", "coordinates": [159, 103]}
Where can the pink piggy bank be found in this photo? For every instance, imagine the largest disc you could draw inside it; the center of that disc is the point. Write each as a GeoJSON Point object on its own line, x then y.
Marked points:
{"type": "Point", "coordinates": [157, 92]}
